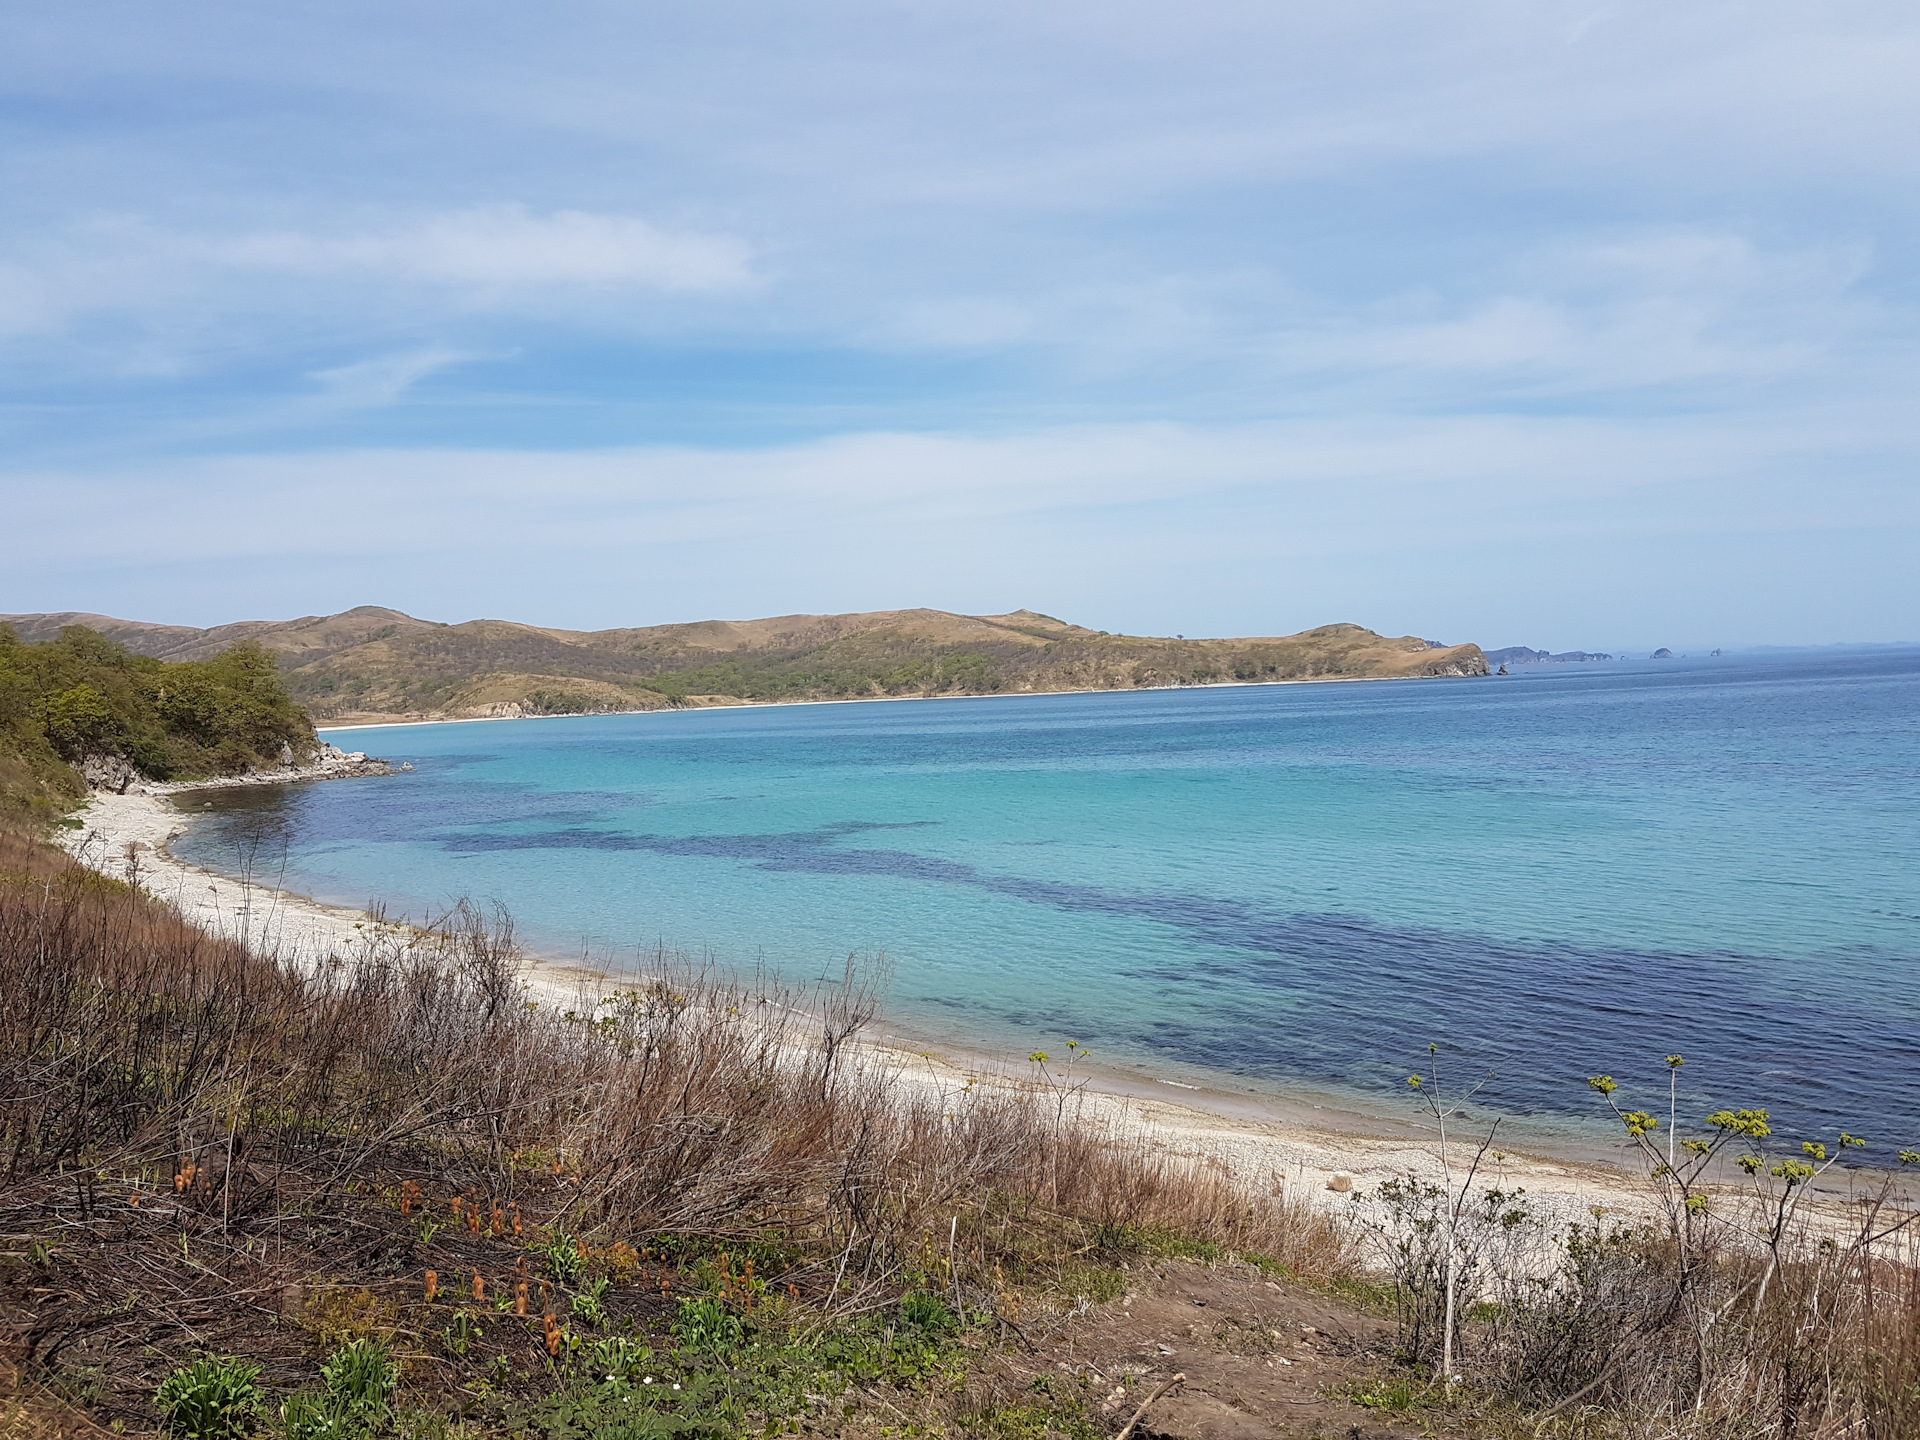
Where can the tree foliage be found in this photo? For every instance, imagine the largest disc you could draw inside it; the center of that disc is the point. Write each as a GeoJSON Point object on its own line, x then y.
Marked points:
{"type": "Point", "coordinates": [83, 698]}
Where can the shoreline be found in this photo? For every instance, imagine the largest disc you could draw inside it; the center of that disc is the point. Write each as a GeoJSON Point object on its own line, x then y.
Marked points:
{"type": "Point", "coordinates": [1328, 1156]}
{"type": "Point", "coordinates": [324, 729]}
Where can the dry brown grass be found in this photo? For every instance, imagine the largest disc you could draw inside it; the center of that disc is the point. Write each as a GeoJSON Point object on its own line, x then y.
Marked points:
{"type": "Point", "coordinates": [280, 1128]}
{"type": "Point", "coordinates": [199, 1132]}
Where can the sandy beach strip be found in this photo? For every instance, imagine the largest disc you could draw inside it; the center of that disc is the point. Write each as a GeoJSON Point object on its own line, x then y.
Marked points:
{"type": "Point", "coordinates": [1306, 1154]}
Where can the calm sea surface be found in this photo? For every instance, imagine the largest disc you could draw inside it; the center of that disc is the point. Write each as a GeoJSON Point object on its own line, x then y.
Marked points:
{"type": "Point", "coordinates": [1286, 889]}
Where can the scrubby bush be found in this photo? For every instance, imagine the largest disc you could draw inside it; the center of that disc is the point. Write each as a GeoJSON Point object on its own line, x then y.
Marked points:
{"type": "Point", "coordinates": [1732, 1307]}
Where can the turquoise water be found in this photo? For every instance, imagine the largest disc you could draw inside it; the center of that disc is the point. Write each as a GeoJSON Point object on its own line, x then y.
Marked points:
{"type": "Point", "coordinates": [1284, 888]}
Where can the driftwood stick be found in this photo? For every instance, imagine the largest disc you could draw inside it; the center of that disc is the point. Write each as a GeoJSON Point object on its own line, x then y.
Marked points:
{"type": "Point", "coordinates": [1162, 1388]}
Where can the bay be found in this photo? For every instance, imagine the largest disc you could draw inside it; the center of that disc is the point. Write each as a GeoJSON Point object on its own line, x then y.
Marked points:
{"type": "Point", "coordinates": [1289, 890]}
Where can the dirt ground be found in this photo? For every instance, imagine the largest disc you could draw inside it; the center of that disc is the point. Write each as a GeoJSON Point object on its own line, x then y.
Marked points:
{"type": "Point", "coordinates": [1262, 1358]}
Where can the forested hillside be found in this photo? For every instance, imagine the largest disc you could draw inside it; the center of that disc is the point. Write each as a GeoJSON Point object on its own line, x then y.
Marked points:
{"type": "Point", "coordinates": [81, 705]}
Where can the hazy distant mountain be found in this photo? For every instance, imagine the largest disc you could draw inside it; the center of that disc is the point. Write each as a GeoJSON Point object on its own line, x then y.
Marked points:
{"type": "Point", "coordinates": [1521, 655]}
{"type": "Point", "coordinates": [375, 664]}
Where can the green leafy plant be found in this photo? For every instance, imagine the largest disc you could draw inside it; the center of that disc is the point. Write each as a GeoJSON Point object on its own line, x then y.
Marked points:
{"type": "Point", "coordinates": [928, 1312]}
{"type": "Point", "coordinates": [563, 1258]}
{"type": "Point", "coordinates": [211, 1399]}
{"type": "Point", "coordinates": [707, 1327]}
{"type": "Point", "coordinates": [311, 1416]}
{"type": "Point", "coordinates": [360, 1378]}
{"type": "Point", "coordinates": [362, 1375]}
{"type": "Point", "coordinates": [618, 1359]}
{"type": "Point", "coordinates": [461, 1334]}
{"type": "Point", "coordinates": [589, 1304]}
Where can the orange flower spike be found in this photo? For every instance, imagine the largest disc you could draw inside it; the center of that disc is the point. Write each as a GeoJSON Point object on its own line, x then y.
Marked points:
{"type": "Point", "coordinates": [457, 1203]}
{"type": "Point", "coordinates": [520, 1298]}
{"type": "Point", "coordinates": [479, 1286]}
{"type": "Point", "coordinates": [135, 1200]}
{"type": "Point", "coordinates": [553, 1336]}
{"type": "Point", "coordinates": [433, 1284]}
{"type": "Point", "coordinates": [499, 1221]}
{"type": "Point", "coordinates": [580, 1244]}
{"type": "Point", "coordinates": [473, 1221]}
{"type": "Point", "coordinates": [546, 1296]}
{"type": "Point", "coordinates": [517, 1231]}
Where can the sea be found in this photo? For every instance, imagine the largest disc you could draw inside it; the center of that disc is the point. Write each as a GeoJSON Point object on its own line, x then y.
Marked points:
{"type": "Point", "coordinates": [1299, 892]}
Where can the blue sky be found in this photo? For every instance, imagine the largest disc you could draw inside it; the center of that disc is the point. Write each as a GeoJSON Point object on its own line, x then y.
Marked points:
{"type": "Point", "coordinates": [1567, 324]}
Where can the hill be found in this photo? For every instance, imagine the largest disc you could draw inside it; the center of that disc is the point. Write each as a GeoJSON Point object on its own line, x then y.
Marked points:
{"type": "Point", "coordinates": [372, 664]}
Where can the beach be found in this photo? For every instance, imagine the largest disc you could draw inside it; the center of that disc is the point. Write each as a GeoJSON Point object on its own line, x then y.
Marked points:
{"type": "Point", "coordinates": [1327, 1158]}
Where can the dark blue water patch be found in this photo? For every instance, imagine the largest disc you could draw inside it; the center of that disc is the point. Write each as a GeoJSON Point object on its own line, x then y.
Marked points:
{"type": "Point", "coordinates": [1362, 999]}
{"type": "Point", "coordinates": [1711, 858]}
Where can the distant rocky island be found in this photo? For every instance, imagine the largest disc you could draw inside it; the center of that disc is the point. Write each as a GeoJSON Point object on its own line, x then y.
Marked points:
{"type": "Point", "coordinates": [371, 664]}
{"type": "Point", "coordinates": [1521, 655]}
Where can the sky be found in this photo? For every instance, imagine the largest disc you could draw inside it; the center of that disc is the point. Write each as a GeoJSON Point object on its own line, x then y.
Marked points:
{"type": "Point", "coordinates": [1569, 325]}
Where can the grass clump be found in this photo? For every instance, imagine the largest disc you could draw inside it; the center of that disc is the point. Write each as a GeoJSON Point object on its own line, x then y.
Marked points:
{"type": "Point", "coordinates": [354, 1401]}
{"type": "Point", "coordinates": [214, 1398]}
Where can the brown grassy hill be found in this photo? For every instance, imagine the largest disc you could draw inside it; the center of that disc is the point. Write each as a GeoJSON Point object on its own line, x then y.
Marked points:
{"type": "Point", "coordinates": [373, 663]}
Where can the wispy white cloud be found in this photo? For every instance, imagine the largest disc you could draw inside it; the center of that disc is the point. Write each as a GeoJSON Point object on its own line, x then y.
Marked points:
{"type": "Point", "coordinates": [506, 245]}
{"type": "Point", "coordinates": [1656, 308]}
{"type": "Point", "coordinates": [385, 378]}
{"type": "Point", "coordinates": [133, 270]}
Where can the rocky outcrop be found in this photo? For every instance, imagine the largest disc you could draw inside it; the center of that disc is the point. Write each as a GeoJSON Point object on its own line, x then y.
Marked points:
{"type": "Point", "coordinates": [1460, 669]}
{"type": "Point", "coordinates": [108, 772]}
{"type": "Point", "coordinates": [329, 762]}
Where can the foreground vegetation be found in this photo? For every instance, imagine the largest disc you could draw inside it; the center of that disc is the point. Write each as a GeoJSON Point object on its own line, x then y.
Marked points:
{"type": "Point", "coordinates": [395, 1196]}
{"type": "Point", "coordinates": [389, 1196]}
{"type": "Point", "coordinates": [81, 706]}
